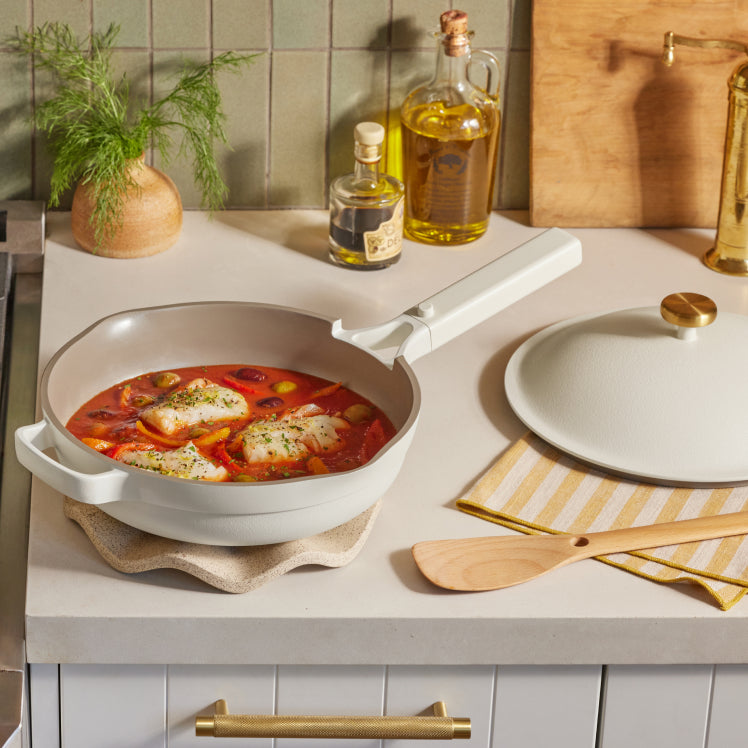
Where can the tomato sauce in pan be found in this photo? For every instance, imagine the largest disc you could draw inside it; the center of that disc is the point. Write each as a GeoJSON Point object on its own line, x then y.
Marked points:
{"type": "Point", "coordinates": [262, 423]}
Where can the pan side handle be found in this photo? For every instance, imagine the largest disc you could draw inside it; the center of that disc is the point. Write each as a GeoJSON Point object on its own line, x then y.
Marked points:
{"type": "Point", "coordinates": [403, 336]}
{"type": "Point", "coordinates": [471, 300]}
{"type": "Point", "coordinates": [96, 488]}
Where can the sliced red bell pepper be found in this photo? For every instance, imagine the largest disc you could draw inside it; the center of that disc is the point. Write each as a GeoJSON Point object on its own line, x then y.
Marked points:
{"type": "Point", "coordinates": [328, 390]}
{"type": "Point", "coordinates": [117, 450]}
{"type": "Point", "coordinates": [124, 398]}
{"type": "Point", "coordinates": [140, 426]}
{"type": "Point", "coordinates": [228, 461]}
{"type": "Point", "coordinates": [374, 440]}
{"type": "Point", "coordinates": [237, 384]}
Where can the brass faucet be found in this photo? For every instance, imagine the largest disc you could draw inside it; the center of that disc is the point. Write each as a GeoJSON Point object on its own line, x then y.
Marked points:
{"type": "Point", "coordinates": [730, 251]}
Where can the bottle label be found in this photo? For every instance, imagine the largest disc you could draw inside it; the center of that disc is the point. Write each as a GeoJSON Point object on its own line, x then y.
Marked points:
{"type": "Point", "coordinates": [458, 176]}
{"type": "Point", "coordinates": [387, 239]}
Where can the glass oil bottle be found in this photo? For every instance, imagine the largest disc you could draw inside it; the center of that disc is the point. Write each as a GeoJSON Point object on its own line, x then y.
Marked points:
{"type": "Point", "coordinates": [366, 208]}
{"type": "Point", "coordinates": [450, 134]}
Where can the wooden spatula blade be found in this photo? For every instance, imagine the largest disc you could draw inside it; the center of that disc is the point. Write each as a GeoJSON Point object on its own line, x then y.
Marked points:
{"type": "Point", "coordinates": [492, 563]}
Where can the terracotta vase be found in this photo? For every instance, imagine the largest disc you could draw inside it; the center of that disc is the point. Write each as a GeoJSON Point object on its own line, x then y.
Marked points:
{"type": "Point", "coordinates": [152, 216]}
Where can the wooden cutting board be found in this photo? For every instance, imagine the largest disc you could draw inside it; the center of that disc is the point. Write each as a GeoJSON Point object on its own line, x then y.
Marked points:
{"type": "Point", "coordinates": [618, 138]}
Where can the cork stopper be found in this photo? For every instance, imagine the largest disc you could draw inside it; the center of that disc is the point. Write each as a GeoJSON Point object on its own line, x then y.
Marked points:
{"type": "Point", "coordinates": [454, 22]}
{"type": "Point", "coordinates": [455, 35]}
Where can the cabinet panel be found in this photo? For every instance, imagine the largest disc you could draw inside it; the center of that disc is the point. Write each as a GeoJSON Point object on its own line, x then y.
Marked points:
{"type": "Point", "coordinates": [663, 706]}
{"type": "Point", "coordinates": [194, 689]}
{"type": "Point", "coordinates": [44, 694]}
{"type": "Point", "coordinates": [537, 706]}
{"type": "Point", "coordinates": [512, 707]}
{"type": "Point", "coordinates": [106, 706]}
{"type": "Point", "coordinates": [729, 697]}
{"type": "Point", "coordinates": [467, 691]}
{"type": "Point", "coordinates": [344, 690]}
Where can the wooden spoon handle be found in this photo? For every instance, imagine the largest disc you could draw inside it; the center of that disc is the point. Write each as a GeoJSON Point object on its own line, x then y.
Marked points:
{"type": "Point", "coordinates": [665, 533]}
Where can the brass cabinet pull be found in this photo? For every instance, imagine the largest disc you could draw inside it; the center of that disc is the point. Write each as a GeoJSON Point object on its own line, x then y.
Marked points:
{"type": "Point", "coordinates": [436, 727]}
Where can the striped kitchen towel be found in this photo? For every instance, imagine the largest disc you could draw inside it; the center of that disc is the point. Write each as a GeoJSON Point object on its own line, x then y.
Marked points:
{"type": "Point", "coordinates": [535, 488]}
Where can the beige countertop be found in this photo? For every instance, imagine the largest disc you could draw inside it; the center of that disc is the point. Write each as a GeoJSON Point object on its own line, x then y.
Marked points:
{"type": "Point", "coordinates": [377, 609]}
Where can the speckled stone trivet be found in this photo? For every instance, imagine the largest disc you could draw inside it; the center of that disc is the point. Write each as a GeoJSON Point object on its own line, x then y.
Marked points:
{"type": "Point", "coordinates": [229, 568]}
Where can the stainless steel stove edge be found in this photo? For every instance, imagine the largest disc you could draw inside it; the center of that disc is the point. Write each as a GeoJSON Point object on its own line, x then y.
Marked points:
{"type": "Point", "coordinates": [22, 235]}
{"type": "Point", "coordinates": [23, 225]}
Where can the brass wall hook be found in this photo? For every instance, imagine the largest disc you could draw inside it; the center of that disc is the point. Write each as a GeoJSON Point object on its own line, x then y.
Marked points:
{"type": "Point", "coordinates": [730, 252]}
{"type": "Point", "coordinates": [671, 39]}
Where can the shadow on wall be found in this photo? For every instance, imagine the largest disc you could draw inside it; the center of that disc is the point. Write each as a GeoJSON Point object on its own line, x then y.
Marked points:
{"type": "Point", "coordinates": [668, 122]}
{"type": "Point", "coordinates": [15, 132]}
{"type": "Point", "coordinates": [13, 157]}
{"type": "Point", "coordinates": [379, 100]}
{"type": "Point", "coordinates": [246, 188]}
{"type": "Point", "coordinates": [665, 154]}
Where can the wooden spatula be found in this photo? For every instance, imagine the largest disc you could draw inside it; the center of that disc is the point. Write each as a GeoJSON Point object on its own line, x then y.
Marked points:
{"type": "Point", "coordinates": [490, 563]}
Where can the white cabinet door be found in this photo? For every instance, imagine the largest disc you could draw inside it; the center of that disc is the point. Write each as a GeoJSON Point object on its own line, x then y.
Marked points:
{"type": "Point", "coordinates": [729, 699]}
{"type": "Point", "coordinates": [44, 695]}
{"type": "Point", "coordinates": [546, 706]}
{"type": "Point", "coordinates": [656, 706]}
{"type": "Point", "coordinates": [467, 691]}
{"type": "Point", "coordinates": [121, 706]}
{"type": "Point", "coordinates": [194, 689]}
{"type": "Point", "coordinates": [154, 706]}
{"type": "Point", "coordinates": [331, 690]}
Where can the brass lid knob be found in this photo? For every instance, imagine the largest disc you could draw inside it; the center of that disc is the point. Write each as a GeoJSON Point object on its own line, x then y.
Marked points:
{"type": "Point", "coordinates": [688, 310]}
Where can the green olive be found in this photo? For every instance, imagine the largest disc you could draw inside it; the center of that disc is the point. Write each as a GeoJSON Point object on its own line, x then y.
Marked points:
{"type": "Point", "coordinates": [284, 386]}
{"type": "Point", "coordinates": [244, 478]}
{"type": "Point", "coordinates": [166, 379]}
{"type": "Point", "coordinates": [357, 413]}
{"type": "Point", "coordinates": [142, 400]}
{"type": "Point", "coordinates": [198, 431]}
{"type": "Point", "coordinates": [98, 429]}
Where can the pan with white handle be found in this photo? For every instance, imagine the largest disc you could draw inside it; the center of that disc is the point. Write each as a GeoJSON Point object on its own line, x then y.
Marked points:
{"type": "Point", "coordinates": [375, 362]}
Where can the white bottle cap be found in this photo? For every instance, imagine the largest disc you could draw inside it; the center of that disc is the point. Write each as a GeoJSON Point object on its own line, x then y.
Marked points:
{"type": "Point", "coordinates": [369, 133]}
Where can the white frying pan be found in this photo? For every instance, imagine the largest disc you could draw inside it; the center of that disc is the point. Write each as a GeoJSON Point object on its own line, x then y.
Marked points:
{"type": "Point", "coordinates": [373, 361]}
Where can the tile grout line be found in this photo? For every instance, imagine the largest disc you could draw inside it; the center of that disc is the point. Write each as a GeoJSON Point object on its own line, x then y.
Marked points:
{"type": "Point", "coordinates": [211, 46]}
{"type": "Point", "coordinates": [328, 103]}
{"type": "Point", "coordinates": [269, 123]}
{"type": "Point", "coordinates": [151, 60]}
{"type": "Point", "coordinates": [32, 129]}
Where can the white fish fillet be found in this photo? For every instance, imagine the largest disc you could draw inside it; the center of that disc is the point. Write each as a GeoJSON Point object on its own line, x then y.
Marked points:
{"type": "Point", "coordinates": [291, 438]}
{"type": "Point", "coordinates": [199, 401]}
{"type": "Point", "coordinates": [185, 462]}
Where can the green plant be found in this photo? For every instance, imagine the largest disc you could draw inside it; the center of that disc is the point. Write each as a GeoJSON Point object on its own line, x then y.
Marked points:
{"type": "Point", "coordinates": [94, 129]}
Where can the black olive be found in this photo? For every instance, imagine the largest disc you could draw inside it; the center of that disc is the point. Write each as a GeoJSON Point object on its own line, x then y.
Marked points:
{"type": "Point", "coordinates": [102, 413]}
{"type": "Point", "coordinates": [270, 402]}
{"type": "Point", "coordinates": [249, 374]}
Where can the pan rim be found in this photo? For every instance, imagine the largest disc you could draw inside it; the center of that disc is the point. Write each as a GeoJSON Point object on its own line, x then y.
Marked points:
{"type": "Point", "coordinates": [208, 486]}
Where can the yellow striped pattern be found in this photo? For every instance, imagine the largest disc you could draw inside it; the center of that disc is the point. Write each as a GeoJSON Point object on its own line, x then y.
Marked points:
{"type": "Point", "coordinates": [535, 488]}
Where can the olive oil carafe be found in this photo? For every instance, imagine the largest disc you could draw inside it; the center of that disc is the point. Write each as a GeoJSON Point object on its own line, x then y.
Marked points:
{"type": "Point", "coordinates": [450, 134]}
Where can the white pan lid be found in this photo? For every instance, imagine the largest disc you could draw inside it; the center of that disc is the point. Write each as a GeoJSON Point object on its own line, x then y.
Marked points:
{"type": "Point", "coordinates": [658, 394]}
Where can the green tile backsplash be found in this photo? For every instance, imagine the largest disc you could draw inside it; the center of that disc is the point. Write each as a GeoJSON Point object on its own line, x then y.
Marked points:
{"type": "Point", "coordinates": [323, 65]}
